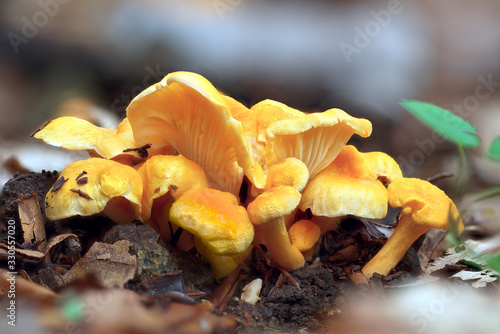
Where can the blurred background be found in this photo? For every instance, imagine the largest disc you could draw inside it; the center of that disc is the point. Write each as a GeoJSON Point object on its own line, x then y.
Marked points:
{"type": "Point", "coordinates": [90, 58]}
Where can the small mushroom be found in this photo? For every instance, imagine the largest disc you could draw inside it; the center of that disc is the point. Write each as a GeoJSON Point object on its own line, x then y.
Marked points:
{"type": "Point", "coordinates": [423, 206]}
{"type": "Point", "coordinates": [353, 184]}
{"type": "Point", "coordinates": [215, 217]}
{"type": "Point", "coordinates": [287, 172]}
{"type": "Point", "coordinates": [267, 212]}
{"type": "Point", "coordinates": [165, 179]}
{"type": "Point", "coordinates": [304, 234]}
{"type": "Point", "coordinates": [111, 188]}
{"type": "Point", "coordinates": [75, 134]}
{"type": "Point", "coordinates": [185, 113]}
{"type": "Point", "coordinates": [316, 139]}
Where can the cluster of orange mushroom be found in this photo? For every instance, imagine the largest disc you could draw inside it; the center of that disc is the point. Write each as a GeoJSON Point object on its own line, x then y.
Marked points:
{"type": "Point", "coordinates": [181, 155]}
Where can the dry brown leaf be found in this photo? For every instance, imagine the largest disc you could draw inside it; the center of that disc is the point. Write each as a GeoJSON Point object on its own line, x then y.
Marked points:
{"type": "Point", "coordinates": [482, 278]}
{"type": "Point", "coordinates": [469, 249]}
{"type": "Point", "coordinates": [432, 246]}
{"type": "Point", "coordinates": [60, 238]}
{"type": "Point", "coordinates": [25, 253]}
{"type": "Point", "coordinates": [24, 288]}
{"type": "Point", "coordinates": [112, 264]}
{"type": "Point", "coordinates": [37, 255]}
{"type": "Point", "coordinates": [469, 252]}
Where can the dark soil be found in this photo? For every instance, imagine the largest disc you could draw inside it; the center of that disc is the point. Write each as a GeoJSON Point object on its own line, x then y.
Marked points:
{"type": "Point", "coordinates": [22, 186]}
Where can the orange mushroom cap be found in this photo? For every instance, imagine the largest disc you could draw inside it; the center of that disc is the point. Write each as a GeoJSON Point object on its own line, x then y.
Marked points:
{"type": "Point", "coordinates": [257, 120]}
{"type": "Point", "coordinates": [216, 219]}
{"type": "Point", "coordinates": [95, 185]}
{"type": "Point", "coordinates": [316, 139]}
{"type": "Point", "coordinates": [75, 134]}
{"type": "Point", "coordinates": [423, 206]}
{"type": "Point", "coordinates": [425, 203]}
{"type": "Point", "coordinates": [169, 174]}
{"type": "Point", "coordinates": [352, 185]}
{"type": "Point", "coordinates": [185, 113]}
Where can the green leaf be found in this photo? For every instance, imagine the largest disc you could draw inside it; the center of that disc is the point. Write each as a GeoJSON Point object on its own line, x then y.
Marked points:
{"type": "Point", "coordinates": [494, 151]}
{"type": "Point", "coordinates": [493, 261]}
{"type": "Point", "coordinates": [447, 124]}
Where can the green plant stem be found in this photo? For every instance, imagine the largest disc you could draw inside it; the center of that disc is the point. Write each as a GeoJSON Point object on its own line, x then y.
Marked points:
{"type": "Point", "coordinates": [463, 174]}
{"type": "Point", "coordinates": [490, 192]}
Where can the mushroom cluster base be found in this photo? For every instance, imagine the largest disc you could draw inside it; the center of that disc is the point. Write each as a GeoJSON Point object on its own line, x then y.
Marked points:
{"type": "Point", "coordinates": [289, 302]}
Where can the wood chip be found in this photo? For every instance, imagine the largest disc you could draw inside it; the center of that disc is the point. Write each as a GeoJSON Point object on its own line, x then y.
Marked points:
{"type": "Point", "coordinates": [32, 221]}
{"type": "Point", "coordinates": [224, 292]}
{"type": "Point", "coordinates": [356, 277]}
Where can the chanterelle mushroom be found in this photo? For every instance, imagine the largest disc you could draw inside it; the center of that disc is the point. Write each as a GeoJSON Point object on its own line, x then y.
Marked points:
{"type": "Point", "coordinates": [75, 134]}
{"type": "Point", "coordinates": [186, 113]}
{"type": "Point", "coordinates": [353, 184]}
{"type": "Point", "coordinates": [166, 178]}
{"type": "Point", "coordinates": [304, 234]}
{"type": "Point", "coordinates": [288, 172]}
{"type": "Point", "coordinates": [423, 206]}
{"type": "Point", "coordinates": [267, 213]}
{"type": "Point", "coordinates": [95, 185]}
{"type": "Point", "coordinates": [215, 217]}
{"type": "Point", "coordinates": [256, 120]}
{"type": "Point", "coordinates": [316, 139]}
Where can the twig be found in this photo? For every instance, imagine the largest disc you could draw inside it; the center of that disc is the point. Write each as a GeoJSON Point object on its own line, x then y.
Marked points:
{"type": "Point", "coordinates": [440, 176]}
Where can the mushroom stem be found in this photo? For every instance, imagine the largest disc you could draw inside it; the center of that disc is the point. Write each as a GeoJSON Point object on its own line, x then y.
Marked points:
{"type": "Point", "coordinates": [326, 223]}
{"type": "Point", "coordinates": [279, 246]}
{"type": "Point", "coordinates": [120, 210]}
{"type": "Point", "coordinates": [220, 265]}
{"type": "Point", "coordinates": [405, 234]}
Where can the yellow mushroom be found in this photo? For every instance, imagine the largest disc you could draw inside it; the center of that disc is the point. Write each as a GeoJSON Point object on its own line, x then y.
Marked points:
{"type": "Point", "coordinates": [287, 172]}
{"type": "Point", "coordinates": [285, 178]}
{"type": "Point", "coordinates": [423, 206]}
{"type": "Point", "coordinates": [267, 212]}
{"type": "Point", "coordinates": [304, 234]}
{"type": "Point", "coordinates": [256, 120]}
{"type": "Point", "coordinates": [165, 179]}
{"type": "Point", "coordinates": [75, 134]}
{"type": "Point", "coordinates": [353, 184]}
{"type": "Point", "coordinates": [316, 139]}
{"type": "Point", "coordinates": [221, 265]}
{"type": "Point", "coordinates": [185, 113]}
{"type": "Point", "coordinates": [96, 185]}
{"type": "Point", "coordinates": [215, 218]}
